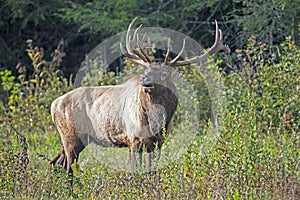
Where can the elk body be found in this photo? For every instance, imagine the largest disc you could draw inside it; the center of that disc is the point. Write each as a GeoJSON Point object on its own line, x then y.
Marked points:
{"type": "Point", "coordinates": [133, 114]}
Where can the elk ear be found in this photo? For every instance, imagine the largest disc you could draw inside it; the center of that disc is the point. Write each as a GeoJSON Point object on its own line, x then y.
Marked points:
{"type": "Point", "coordinates": [177, 74]}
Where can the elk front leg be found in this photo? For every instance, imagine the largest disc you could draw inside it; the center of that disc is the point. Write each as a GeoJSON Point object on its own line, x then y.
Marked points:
{"type": "Point", "coordinates": [151, 168]}
{"type": "Point", "coordinates": [150, 146]}
{"type": "Point", "coordinates": [141, 156]}
{"type": "Point", "coordinates": [136, 146]}
{"type": "Point", "coordinates": [132, 158]}
{"type": "Point", "coordinates": [149, 160]}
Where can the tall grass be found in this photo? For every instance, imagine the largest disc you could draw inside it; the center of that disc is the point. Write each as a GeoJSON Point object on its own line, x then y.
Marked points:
{"type": "Point", "coordinates": [256, 156]}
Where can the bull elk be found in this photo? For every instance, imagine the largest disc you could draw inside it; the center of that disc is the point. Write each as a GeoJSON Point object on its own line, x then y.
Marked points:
{"type": "Point", "coordinates": [133, 114]}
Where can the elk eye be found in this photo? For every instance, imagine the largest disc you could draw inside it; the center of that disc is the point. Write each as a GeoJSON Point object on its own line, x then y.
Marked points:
{"type": "Point", "coordinates": [164, 75]}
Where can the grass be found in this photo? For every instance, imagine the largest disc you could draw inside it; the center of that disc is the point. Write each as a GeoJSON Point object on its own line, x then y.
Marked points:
{"type": "Point", "coordinates": [256, 155]}
{"type": "Point", "coordinates": [241, 165]}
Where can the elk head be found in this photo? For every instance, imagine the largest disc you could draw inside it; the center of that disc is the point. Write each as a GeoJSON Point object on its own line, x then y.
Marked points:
{"type": "Point", "coordinates": [160, 74]}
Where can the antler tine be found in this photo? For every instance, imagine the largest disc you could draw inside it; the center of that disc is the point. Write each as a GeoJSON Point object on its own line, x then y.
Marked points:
{"type": "Point", "coordinates": [135, 34]}
{"type": "Point", "coordinates": [219, 40]}
{"type": "Point", "coordinates": [217, 37]}
{"type": "Point", "coordinates": [225, 47]}
{"type": "Point", "coordinates": [139, 42]}
{"type": "Point", "coordinates": [143, 38]}
{"type": "Point", "coordinates": [127, 41]}
{"type": "Point", "coordinates": [141, 54]}
{"type": "Point", "coordinates": [179, 54]}
{"type": "Point", "coordinates": [137, 56]}
{"type": "Point", "coordinates": [218, 45]}
{"type": "Point", "coordinates": [168, 52]}
{"type": "Point", "coordinates": [126, 53]}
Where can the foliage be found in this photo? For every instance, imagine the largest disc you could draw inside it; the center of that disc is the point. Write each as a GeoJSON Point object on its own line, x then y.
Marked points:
{"type": "Point", "coordinates": [111, 17]}
{"type": "Point", "coordinates": [26, 96]}
{"type": "Point", "coordinates": [270, 21]}
{"type": "Point", "coordinates": [262, 123]}
{"type": "Point", "coordinates": [84, 24]}
{"type": "Point", "coordinates": [104, 17]}
{"type": "Point", "coordinates": [255, 157]}
{"type": "Point", "coordinates": [20, 20]}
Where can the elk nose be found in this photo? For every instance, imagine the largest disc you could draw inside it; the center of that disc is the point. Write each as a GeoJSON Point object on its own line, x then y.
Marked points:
{"type": "Point", "coordinates": [145, 80]}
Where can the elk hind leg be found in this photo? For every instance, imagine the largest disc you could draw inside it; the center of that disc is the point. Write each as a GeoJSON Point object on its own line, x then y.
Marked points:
{"type": "Point", "coordinates": [72, 150]}
{"type": "Point", "coordinates": [69, 153]}
{"type": "Point", "coordinates": [60, 159]}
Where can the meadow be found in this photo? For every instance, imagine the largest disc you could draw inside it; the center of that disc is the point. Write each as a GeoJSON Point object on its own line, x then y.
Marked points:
{"type": "Point", "coordinates": [255, 156]}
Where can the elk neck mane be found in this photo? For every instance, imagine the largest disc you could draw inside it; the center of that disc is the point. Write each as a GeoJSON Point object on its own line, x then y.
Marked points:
{"type": "Point", "coordinates": [165, 97]}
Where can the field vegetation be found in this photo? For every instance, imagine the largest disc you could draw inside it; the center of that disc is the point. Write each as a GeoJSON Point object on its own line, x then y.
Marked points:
{"type": "Point", "coordinates": [256, 156]}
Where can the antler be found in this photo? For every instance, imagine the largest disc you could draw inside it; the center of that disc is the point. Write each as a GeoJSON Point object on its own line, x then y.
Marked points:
{"type": "Point", "coordinates": [136, 55]}
{"type": "Point", "coordinates": [135, 52]}
{"type": "Point", "coordinates": [218, 46]}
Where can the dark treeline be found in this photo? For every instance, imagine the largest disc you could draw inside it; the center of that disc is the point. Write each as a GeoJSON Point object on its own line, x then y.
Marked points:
{"type": "Point", "coordinates": [84, 24]}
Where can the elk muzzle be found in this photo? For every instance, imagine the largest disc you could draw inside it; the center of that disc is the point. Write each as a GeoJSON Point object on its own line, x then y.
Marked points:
{"type": "Point", "coordinates": [146, 84]}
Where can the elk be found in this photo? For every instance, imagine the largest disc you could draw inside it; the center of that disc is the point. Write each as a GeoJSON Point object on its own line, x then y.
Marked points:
{"type": "Point", "coordinates": [133, 114]}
